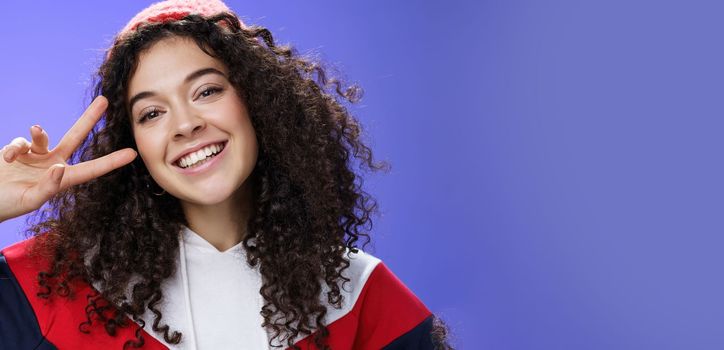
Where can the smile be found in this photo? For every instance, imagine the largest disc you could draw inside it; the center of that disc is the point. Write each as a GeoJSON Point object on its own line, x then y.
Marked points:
{"type": "Point", "coordinates": [200, 160]}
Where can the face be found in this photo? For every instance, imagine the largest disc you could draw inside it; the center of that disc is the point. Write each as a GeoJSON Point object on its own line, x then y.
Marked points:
{"type": "Point", "coordinates": [192, 129]}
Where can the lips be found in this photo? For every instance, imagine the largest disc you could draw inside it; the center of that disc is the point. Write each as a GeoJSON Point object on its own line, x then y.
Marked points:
{"type": "Point", "coordinates": [191, 150]}
{"type": "Point", "coordinates": [205, 166]}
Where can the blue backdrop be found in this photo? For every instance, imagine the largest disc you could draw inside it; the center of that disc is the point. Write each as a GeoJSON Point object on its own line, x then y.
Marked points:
{"type": "Point", "coordinates": [556, 165]}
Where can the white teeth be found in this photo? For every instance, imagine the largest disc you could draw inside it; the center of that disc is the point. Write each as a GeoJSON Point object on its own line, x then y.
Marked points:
{"type": "Point", "coordinates": [200, 155]}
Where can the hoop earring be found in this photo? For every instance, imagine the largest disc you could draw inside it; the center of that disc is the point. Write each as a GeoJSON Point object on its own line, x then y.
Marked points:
{"type": "Point", "coordinates": [148, 186]}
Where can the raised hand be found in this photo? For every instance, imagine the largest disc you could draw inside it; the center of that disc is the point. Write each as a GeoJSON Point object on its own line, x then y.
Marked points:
{"type": "Point", "coordinates": [30, 174]}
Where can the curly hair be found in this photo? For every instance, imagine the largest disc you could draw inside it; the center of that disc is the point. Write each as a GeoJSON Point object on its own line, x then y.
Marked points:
{"type": "Point", "coordinates": [309, 205]}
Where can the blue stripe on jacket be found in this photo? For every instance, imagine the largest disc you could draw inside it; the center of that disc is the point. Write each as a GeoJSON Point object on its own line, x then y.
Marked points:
{"type": "Point", "coordinates": [19, 328]}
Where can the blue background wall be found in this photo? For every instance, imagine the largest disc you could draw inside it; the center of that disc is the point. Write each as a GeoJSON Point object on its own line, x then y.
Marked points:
{"type": "Point", "coordinates": [556, 165]}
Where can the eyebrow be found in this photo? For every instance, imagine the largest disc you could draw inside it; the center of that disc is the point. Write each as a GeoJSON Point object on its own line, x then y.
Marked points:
{"type": "Point", "coordinates": [193, 76]}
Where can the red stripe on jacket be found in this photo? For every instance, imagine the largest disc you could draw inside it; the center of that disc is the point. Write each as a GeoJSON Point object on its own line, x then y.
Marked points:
{"type": "Point", "coordinates": [60, 317]}
{"type": "Point", "coordinates": [385, 310]}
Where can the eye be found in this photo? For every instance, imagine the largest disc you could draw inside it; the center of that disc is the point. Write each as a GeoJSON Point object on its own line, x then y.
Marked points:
{"type": "Point", "coordinates": [153, 113]}
{"type": "Point", "coordinates": [210, 91]}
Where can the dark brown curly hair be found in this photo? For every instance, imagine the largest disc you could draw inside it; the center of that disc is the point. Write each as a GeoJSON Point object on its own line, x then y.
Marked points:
{"type": "Point", "coordinates": [309, 205]}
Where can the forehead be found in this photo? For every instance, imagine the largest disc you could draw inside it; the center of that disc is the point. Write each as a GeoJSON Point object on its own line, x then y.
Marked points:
{"type": "Point", "coordinates": [168, 62]}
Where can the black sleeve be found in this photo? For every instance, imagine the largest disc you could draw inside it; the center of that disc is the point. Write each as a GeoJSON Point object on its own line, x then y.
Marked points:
{"type": "Point", "coordinates": [19, 328]}
{"type": "Point", "coordinates": [417, 338]}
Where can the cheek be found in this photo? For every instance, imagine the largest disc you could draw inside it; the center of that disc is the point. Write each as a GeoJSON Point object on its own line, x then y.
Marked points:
{"type": "Point", "coordinates": [248, 135]}
{"type": "Point", "coordinates": [150, 150]}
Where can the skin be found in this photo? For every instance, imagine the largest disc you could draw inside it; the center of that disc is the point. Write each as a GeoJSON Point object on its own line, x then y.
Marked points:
{"type": "Point", "coordinates": [181, 114]}
{"type": "Point", "coordinates": [31, 173]}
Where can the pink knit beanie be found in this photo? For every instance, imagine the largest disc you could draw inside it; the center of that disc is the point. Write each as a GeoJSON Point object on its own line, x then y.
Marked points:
{"type": "Point", "coordinates": [174, 10]}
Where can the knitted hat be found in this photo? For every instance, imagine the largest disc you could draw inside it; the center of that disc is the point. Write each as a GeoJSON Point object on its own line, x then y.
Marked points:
{"type": "Point", "coordinates": [174, 10]}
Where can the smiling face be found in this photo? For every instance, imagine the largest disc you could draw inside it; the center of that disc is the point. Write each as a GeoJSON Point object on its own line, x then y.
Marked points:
{"type": "Point", "coordinates": [192, 129]}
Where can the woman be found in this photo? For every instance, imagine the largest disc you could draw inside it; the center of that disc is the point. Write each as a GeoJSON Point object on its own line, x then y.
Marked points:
{"type": "Point", "coordinates": [214, 207]}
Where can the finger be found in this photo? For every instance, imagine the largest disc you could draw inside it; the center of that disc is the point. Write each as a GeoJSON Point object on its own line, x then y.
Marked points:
{"type": "Point", "coordinates": [18, 146]}
{"type": "Point", "coordinates": [86, 171]}
{"type": "Point", "coordinates": [40, 140]}
{"type": "Point", "coordinates": [47, 187]}
{"type": "Point", "coordinates": [79, 131]}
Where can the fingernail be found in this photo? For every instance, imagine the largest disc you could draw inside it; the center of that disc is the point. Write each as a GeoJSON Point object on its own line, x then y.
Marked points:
{"type": "Point", "coordinates": [37, 127]}
{"type": "Point", "coordinates": [11, 154]}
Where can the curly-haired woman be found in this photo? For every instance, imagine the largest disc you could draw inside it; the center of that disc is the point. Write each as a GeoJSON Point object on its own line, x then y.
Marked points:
{"type": "Point", "coordinates": [215, 206]}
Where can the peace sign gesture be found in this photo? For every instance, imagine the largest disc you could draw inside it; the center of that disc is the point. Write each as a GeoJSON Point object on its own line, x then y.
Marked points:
{"type": "Point", "coordinates": [30, 174]}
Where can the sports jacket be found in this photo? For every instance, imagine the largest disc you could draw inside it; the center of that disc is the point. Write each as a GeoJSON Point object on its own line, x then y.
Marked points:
{"type": "Point", "coordinates": [380, 312]}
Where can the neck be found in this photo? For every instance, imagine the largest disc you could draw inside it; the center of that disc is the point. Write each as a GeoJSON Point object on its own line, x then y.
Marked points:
{"type": "Point", "coordinates": [222, 224]}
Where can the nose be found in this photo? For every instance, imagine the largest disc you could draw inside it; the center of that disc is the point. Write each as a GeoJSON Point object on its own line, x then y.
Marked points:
{"type": "Point", "coordinates": [188, 122]}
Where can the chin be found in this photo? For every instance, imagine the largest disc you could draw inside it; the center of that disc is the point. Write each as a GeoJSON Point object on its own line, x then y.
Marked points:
{"type": "Point", "coordinates": [208, 191]}
{"type": "Point", "coordinates": [205, 197]}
